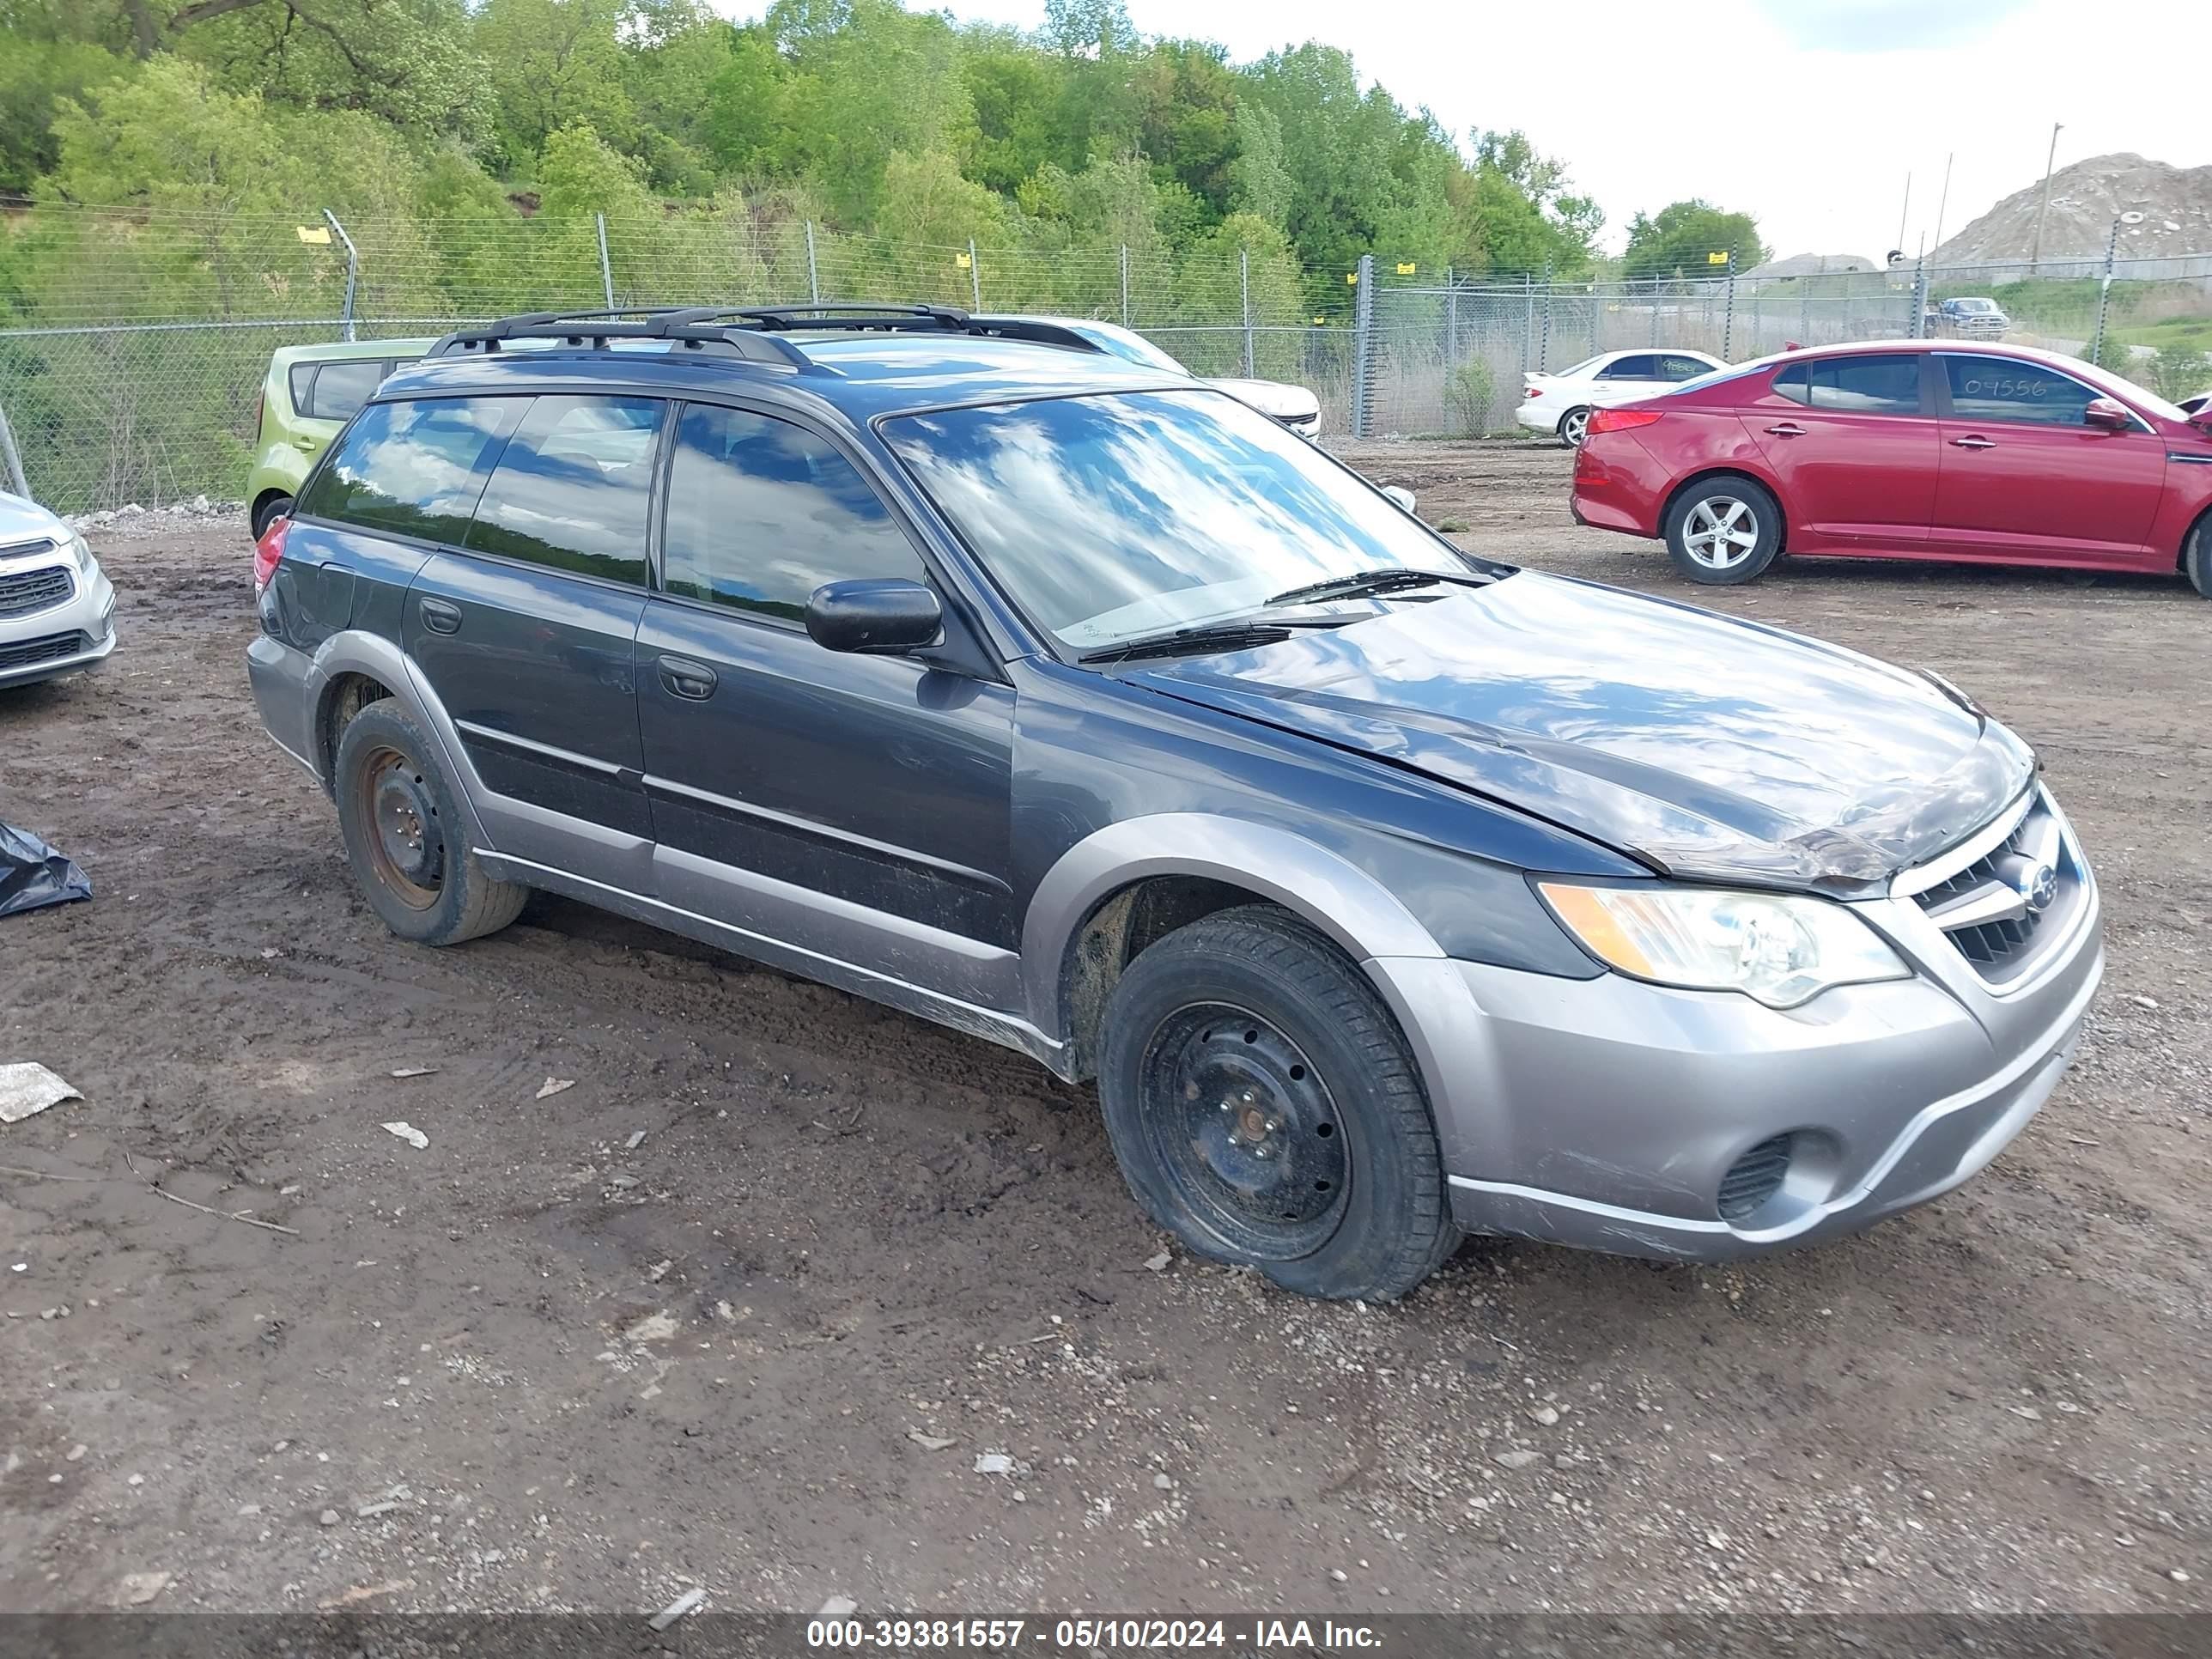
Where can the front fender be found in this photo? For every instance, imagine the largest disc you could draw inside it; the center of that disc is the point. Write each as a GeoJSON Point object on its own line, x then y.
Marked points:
{"type": "Point", "coordinates": [1425, 990]}
{"type": "Point", "coordinates": [1363, 917]}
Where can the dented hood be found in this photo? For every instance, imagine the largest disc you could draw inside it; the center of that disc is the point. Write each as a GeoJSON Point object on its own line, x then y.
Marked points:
{"type": "Point", "coordinates": [1707, 747]}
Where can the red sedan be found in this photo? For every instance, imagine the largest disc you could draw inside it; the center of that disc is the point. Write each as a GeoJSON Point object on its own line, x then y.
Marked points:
{"type": "Point", "coordinates": [1906, 449]}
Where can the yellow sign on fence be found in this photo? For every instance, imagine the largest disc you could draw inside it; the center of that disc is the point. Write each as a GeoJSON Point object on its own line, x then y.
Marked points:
{"type": "Point", "coordinates": [1716, 259]}
{"type": "Point", "coordinates": [1351, 279]}
{"type": "Point", "coordinates": [317, 234]}
{"type": "Point", "coordinates": [960, 260]}
{"type": "Point", "coordinates": [1406, 267]}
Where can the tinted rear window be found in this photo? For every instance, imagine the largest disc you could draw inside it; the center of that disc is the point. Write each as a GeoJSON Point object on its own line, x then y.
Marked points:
{"type": "Point", "coordinates": [573, 488]}
{"type": "Point", "coordinates": [1860, 385]}
{"type": "Point", "coordinates": [341, 388]}
{"type": "Point", "coordinates": [413, 468]}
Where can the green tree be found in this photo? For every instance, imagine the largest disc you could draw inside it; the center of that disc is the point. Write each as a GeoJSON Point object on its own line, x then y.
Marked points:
{"type": "Point", "coordinates": [1260, 185]}
{"type": "Point", "coordinates": [554, 64]}
{"type": "Point", "coordinates": [1679, 240]}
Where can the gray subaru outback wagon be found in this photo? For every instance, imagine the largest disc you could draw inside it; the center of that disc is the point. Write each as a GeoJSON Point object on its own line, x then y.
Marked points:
{"type": "Point", "coordinates": [1388, 892]}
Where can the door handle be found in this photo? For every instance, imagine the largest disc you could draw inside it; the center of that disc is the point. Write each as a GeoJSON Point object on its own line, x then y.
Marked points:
{"type": "Point", "coordinates": [306, 444]}
{"type": "Point", "coordinates": [686, 678]}
{"type": "Point", "coordinates": [1788, 429]}
{"type": "Point", "coordinates": [441, 618]}
{"type": "Point", "coordinates": [1973, 443]}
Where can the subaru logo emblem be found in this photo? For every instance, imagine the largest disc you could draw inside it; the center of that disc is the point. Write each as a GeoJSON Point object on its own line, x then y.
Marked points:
{"type": "Point", "coordinates": [2036, 886]}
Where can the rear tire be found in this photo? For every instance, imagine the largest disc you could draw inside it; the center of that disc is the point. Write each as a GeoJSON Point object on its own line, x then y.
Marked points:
{"type": "Point", "coordinates": [1723, 531]}
{"type": "Point", "coordinates": [397, 812]}
{"type": "Point", "coordinates": [267, 511]}
{"type": "Point", "coordinates": [2196, 558]}
{"type": "Point", "coordinates": [1574, 427]}
{"type": "Point", "coordinates": [1266, 1111]}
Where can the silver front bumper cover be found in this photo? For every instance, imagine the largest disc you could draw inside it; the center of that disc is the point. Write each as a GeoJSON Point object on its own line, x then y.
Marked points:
{"type": "Point", "coordinates": [1604, 1113]}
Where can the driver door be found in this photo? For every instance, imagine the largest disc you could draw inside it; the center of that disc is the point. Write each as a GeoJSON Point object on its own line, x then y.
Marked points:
{"type": "Point", "coordinates": [858, 807]}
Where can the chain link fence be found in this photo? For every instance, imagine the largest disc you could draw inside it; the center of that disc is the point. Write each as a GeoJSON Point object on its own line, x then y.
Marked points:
{"type": "Point", "coordinates": [133, 344]}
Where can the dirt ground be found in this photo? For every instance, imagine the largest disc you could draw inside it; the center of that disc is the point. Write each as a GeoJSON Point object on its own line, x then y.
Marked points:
{"type": "Point", "coordinates": [710, 1315]}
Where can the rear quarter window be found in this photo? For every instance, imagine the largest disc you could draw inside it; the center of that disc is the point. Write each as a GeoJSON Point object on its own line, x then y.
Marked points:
{"type": "Point", "coordinates": [413, 468]}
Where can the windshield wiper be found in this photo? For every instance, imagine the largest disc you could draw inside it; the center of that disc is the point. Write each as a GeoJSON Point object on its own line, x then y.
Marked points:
{"type": "Point", "coordinates": [1212, 636]}
{"type": "Point", "coordinates": [1369, 582]}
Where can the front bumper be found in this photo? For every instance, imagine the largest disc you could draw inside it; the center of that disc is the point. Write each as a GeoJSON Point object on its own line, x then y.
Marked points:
{"type": "Point", "coordinates": [1605, 1113]}
{"type": "Point", "coordinates": [79, 632]}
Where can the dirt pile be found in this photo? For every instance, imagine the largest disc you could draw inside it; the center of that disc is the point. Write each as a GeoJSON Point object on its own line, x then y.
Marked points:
{"type": "Point", "coordinates": [2176, 203]}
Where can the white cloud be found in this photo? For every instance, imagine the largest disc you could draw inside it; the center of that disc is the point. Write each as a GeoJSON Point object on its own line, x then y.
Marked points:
{"type": "Point", "coordinates": [1808, 113]}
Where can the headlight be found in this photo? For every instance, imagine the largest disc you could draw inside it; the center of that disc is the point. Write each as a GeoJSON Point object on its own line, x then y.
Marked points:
{"type": "Point", "coordinates": [81, 550]}
{"type": "Point", "coordinates": [1778, 949]}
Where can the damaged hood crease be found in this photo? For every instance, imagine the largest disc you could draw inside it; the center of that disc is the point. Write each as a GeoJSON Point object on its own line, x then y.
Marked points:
{"type": "Point", "coordinates": [1708, 747]}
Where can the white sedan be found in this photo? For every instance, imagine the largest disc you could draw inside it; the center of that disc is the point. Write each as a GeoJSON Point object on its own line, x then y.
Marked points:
{"type": "Point", "coordinates": [56, 611]}
{"type": "Point", "coordinates": [1560, 404]}
{"type": "Point", "coordinates": [1293, 406]}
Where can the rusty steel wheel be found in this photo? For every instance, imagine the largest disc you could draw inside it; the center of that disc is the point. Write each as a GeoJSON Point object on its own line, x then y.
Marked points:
{"type": "Point", "coordinates": [405, 846]}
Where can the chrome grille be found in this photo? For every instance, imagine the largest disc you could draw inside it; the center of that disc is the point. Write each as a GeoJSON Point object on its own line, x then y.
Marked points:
{"type": "Point", "coordinates": [22, 592]}
{"type": "Point", "coordinates": [1753, 1178]}
{"type": "Point", "coordinates": [1994, 910]}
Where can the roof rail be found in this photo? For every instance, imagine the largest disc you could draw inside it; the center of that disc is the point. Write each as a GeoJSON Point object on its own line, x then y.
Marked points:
{"type": "Point", "coordinates": [855, 314]}
{"type": "Point", "coordinates": [748, 332]}
{"type": "Point", "coordinates": [691, 327]}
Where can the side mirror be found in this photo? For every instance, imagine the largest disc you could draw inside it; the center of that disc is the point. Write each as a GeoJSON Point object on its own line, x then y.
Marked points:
{"type": "Point", "coordinates": [1399, 494]}
{"type": "Point", "coordinates": [2202, 419]}
{"type": "Point", "coordinates": [884, 616]}
{"type": "Point", "coordinates": [2109, 413]}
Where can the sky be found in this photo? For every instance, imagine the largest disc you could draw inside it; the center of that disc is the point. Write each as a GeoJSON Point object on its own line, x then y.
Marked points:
{"type": "Point", "coordinates": [1806, 114]}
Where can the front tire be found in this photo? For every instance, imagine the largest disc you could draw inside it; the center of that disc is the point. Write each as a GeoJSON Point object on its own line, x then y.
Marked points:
{"type": "Point", "coordinates": [1266, 1111]}
{"type": "Point", "coordinates": [403, 836]}
{"type": "Point", "coordinates": [2196, 558]}
{"type": "Point", "coordinates": [1723, 531]}
{"type": "Point", "coordinates": [1574, 427]}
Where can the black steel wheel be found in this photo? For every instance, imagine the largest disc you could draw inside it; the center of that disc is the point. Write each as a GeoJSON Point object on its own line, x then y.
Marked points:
{"type": "Point", "coordinates": [1265, 1110]}
{"type": "Point", "coordinates": [1244, 1132]}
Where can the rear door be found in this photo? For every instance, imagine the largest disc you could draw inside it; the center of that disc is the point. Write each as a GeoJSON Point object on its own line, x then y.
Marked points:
{"type": "Point", "coordinates": [526, 634]}
{"type": "Point", "coordinates": [1853, 442]}
{"type": "Point", "coordinates": [2026, 479]}
{"type": "Point", "coordinates": [856, 806]}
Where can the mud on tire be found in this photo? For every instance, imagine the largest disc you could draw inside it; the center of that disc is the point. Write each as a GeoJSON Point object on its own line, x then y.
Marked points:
{"type": "Point", "coordinates": [1265, 1110]}
{"type": "Point", "coordinates": [404, 838]}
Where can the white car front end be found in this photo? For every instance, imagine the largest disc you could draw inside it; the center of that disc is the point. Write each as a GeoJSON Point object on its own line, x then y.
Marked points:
{"type": "Point", "coordinates": [56, 607]}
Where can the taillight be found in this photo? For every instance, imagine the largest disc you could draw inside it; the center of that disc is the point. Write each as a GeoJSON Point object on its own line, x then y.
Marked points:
{"type": "Point", "coordinates": [267, 551]}
{"type": "Point", "coordinates": [1621, 420]}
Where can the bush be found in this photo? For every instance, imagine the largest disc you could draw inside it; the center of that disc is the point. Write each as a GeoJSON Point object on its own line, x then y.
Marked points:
{"type": "Point", "coordinates": [1467, 391]}
{"type": "Point", "coordinates": [2179, 370]}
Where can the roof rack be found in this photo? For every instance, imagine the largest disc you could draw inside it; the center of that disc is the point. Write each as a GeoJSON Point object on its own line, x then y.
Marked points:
{"type": "Point", "coordinates": [748, 332]}
{"type": "Point", "coordinates": [691, 327]}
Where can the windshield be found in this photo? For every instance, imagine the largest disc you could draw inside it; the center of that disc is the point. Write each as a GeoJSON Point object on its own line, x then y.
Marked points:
{"type": "Point", "coordinates": [1110, 518]}
{"type": "Point", "coordinates": [1130, 348]}
{"type": "Point", "coordinates": [1975, 305]}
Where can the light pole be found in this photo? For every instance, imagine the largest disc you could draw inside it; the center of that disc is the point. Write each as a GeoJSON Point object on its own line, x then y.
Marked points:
{"type": "Point", "coordinates": [2105, 289]}
{"type": "Point", "coordinates": [2035, 248]}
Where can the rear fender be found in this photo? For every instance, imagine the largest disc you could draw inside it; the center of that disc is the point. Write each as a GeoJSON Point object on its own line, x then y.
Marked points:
{"type": "Point", "coordinates": [356, 651]}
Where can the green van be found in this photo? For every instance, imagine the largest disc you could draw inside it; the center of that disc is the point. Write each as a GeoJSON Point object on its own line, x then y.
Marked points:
{"type": "Point", "coordinates": [310, 393]}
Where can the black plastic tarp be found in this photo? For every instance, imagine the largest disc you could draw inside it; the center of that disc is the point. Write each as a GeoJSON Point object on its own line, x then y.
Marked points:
{"type": "Point", "coordinates": [33, 874]}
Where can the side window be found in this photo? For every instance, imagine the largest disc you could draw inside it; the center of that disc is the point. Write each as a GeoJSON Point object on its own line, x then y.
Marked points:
{"type": "Point", "coordinates": [1795, 383]}
{"type": "Point", "coordinates": [761, 512]}
{"type": "Point", "coordinates": [1865, 385]}
{"type": "Point", "coordinates": [1642, 367]}
{"type": "Point", "coordinates": [340, 388]}
{"type": "Point", "coordinates": [416, 468]}
{"type": "Point", "coordinates": [1682, 368]}
{"type": "Point", "coordinates": [2010, 390]}
{"type": "Point", "coordinates": [573, 488]}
